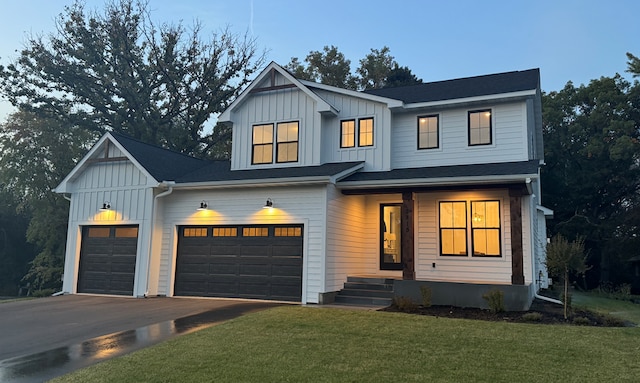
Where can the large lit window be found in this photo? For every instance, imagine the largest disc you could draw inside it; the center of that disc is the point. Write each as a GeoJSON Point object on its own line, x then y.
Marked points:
{"type": "Point", "coordinates": [287, 141]}
{"type": "Point", "coordinates": [365, 132]}
{"type": "Point", "coordinates": [427, 132]}
{"type": "Point", "coordinates": [262, 144]}
{"type": "Point", "coordinates": [453, 228]}
{"type": "Point", "coordinates": [483, 234]}
{"type": "Point", "coordinates": [347, 133]}
{"type": "Point", "coordinates": [485, 224]}
{"type": "Point", "coordinates": [480, 127]}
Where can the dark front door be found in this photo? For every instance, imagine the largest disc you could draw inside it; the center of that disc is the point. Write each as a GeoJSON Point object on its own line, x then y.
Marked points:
{"type": "Point", "coordinates": [108, 259]}
{"type": "Point", "coordinates": [391, 237]}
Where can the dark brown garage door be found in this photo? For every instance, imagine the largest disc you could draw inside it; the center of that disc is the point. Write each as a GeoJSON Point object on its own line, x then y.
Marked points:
{"type": "Point", "coordinates": [260, 262]}
{"type": "Point", "coordinates": [108, 259]}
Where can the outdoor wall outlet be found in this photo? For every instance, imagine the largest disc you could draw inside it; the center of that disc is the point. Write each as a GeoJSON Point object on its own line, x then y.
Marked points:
{"type": "Point", "coordinates": [433, 265]}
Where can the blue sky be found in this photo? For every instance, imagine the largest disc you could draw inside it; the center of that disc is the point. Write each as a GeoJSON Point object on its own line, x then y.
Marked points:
{"type": "Point", "coordinates": [569, 40]}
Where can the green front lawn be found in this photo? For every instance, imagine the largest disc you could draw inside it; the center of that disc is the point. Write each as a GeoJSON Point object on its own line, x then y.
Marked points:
{"type": "Point", "coordinates": [308, 344]}
{"type": "Point", "coordinates": [623, 309]}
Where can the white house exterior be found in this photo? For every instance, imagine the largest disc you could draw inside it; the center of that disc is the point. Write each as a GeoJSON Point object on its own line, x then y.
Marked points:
{"type": "Point", "coordinates": [433, 184]}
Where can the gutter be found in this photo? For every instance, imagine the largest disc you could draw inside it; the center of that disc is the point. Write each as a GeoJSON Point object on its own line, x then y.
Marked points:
{"type": "Point", "coordinates": [169, 185]}
{"type": "Point", "coordinates": [536, 295]}
{"type": "Point", "coordinates": [440, 181]}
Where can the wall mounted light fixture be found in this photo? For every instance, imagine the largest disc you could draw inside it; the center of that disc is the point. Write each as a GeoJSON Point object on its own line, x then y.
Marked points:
{"type": "Point", "coordinates": [106, 206]}
{"type": "Point", "coordinates": [203, 206]}
{"type": "Point", "coordinates": [268, 204]}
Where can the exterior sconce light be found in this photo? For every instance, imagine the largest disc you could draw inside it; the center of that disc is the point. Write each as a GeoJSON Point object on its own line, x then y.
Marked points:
{"type": "Point", "coordinates": [106, 206]}
{"type": "Point", "coordinates": [203, 206]}
{"type": "Point", "coordinates": [268, 204]}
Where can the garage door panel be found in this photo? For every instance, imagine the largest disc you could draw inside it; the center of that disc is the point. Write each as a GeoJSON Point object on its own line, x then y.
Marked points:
{"type": "Point", "coordinates": [242, 266]}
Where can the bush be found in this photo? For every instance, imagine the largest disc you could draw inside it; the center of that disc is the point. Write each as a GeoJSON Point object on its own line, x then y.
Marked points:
{"type": "Point", "coordinates": [495, 300]}
{"type": "Point", "coordinates": [426, 296]}
{"type": "Point", "coordinates": [405, 304]}
{"type": "Point", "coordinates": [532, 317]}
{"type": "Point", "coordinates": [43, 293]}
{"type": "Point", "coordinates": [581, 321]}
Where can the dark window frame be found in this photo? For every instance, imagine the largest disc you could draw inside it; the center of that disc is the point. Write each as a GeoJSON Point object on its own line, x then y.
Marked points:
{"type": "Point", "coordinates": [352, 134]}
{"type": "Point", "coordinates": [490, 127]}
{"type": "Point", "coordinates": [254, 145]}
{"type": "Point", "coordinates": [437, 117]}
{"type": "Point", "coordinates": [473, 230]}
{"type": "Point", "coordinates": [279, 143]}
{"type": "Point", "coordinates": [466, 226]}
{"type": "Point", "coordinates": [360, 133]}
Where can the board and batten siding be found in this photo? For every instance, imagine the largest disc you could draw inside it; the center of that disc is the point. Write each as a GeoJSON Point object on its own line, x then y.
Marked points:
{"type": "Point", "coordinates": [465, 269]}
{"type": "Point", "coordinates": [284, 105]}
{"type": "Point", "coordinates": [376, 157]}
{"type": "Point", "coordinates": [292, 205]}
{"type": "Point", "coordinates": [509, 140]}
{"type": "Point", "coordinates": [127, 190]}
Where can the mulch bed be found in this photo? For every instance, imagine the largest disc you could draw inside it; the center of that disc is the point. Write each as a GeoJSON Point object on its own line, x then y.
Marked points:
{"type": "Point", "coordinates": [547, 313]}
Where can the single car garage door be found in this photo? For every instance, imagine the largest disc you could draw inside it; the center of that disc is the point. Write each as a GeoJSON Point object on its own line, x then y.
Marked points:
{"type": "Point", "coordinates": [245, 261]}
{"type": "Point", "coordinates": [108, 259]}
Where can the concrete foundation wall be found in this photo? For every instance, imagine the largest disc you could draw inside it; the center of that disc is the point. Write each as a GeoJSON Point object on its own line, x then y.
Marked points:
{"type": "Point", "coordinates": [516, 297]}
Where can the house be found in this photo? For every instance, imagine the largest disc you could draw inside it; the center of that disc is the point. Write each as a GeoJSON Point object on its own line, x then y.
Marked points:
{"type": "Point", "coordinates": [434, 185]}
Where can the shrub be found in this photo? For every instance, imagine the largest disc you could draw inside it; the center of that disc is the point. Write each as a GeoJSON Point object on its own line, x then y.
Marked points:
{"type": "Point", "coordinates": [495, 300]}
{"type": "Point", "coordinates": [405, 304]}
{"type": "Point", "coordinates": [425, 291]}
{"type": "Point", "coordinates": [43, 293]}
{"type": "Point", "coordinates": [581, 321]}
{"type": "Point", "coordinates": [532, 317]}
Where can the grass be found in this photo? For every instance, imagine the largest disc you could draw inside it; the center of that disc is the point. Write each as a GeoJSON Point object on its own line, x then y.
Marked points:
{"type": "Point", "coordinates": [305, 344]}
{"type": "Point", "coordinates": [623, 309]}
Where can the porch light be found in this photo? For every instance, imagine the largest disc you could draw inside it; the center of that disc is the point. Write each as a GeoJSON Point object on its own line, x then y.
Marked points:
{"type": "Point", "coordinates": [203, 206]}
{"type": "Point", "coordinates": [269, 204]}
{"type": "Point", "coordinates": [106, 206]}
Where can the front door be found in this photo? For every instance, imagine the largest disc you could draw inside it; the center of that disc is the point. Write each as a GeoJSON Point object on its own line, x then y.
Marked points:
{"type": "Point", "coordinates": [390, 237]}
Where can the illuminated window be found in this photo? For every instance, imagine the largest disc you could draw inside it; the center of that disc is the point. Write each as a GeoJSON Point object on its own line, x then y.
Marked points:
{"type": "Point", "coordinates": [255, 231]}
{"type": "Point", "coordinates": [365, 132]}
{"type": "Point", "coordinates": [480, 127]}
{"type": "Point", "coordinates": [427, 132]}
{"type": "Point", "coordinates": [99, 232]}
{"type": "Point", "coordinates": [126, 232]}
{"type": "Point", "coordinates": [287, 142]}
{"type": "Point", "coordinates": [288, 232]}
{"type": "Point", "coordinates": [485, 224]}
{"type": "Point", "coordinates": [453, 228]}
{"type": "Point", "coordinates": [225, 232]}
{"type": "Point", "coordinates": [348, 133]}
{"type": "Point", "coordinates": [194, 232]}
{"type": "Point", "coordinates": [262, 144]}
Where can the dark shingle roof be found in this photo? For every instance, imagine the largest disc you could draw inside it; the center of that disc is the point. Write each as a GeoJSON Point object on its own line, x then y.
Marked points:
{"type": "Point", "coordinates": [463, 87]}
{"type": "Point", "coordinates": [455, 171]}
{"type": "Point", "coordinates": [162, 164]}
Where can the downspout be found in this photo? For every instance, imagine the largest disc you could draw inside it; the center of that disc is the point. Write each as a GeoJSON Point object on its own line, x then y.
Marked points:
{"type": "Point", "coordinates": [169, 185]}
{"type": "Point", "coordinates": [536, 295]}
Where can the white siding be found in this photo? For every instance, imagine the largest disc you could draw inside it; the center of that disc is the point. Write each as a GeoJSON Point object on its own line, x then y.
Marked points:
{"type": "Point", "coordinates": [293, 205]}
{"type": "Point", "coordinates": [460, 269]}
{"type": "Point", "coordinates": [509, 141]}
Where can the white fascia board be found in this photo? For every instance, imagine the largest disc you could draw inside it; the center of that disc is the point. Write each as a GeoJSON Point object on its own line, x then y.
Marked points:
{"type": "Point", "coordinates": [253, 183]}
{"type": "Point", "coordinates": [443, 181]}
{"type": "Point", "coordinates": [346, 173]}
{"type": "Point", "coordinates": [467, 100]}
{"type": "Point", "coordinates": [391, 102]}
{"type": "Point", "coordinates": [548, 213]}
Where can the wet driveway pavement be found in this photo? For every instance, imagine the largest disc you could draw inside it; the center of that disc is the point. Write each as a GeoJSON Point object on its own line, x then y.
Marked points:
{"type": "Point", "coordinates": [44, 338]}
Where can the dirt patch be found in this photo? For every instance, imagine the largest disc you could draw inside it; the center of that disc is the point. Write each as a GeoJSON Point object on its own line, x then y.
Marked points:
{"type": "Point", "coordinates": [540, 312]}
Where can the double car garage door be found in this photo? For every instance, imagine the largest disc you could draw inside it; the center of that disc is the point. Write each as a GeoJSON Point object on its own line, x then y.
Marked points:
{"type": "Point", "coordinates": [241, 261]}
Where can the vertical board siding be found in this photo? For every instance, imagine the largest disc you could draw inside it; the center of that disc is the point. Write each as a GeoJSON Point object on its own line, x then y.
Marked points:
{"type": "Point", "coordinates": [461, 269]}
{"type": "Point", "coordinates": [294, 205]}
{"type": "Point", "coordinates": [509, 141]}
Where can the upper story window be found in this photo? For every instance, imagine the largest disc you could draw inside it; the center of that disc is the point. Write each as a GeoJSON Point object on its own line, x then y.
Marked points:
{"type": "Point", "coordinates": [365, 132]}
{"type": "Point", "coordinates": [480, 127]}
{"type": "Point", "coordinates": [347, 133]}
{"type": "Point", "coordinates": [428, 132]}
{"type": "Point", "coordinates": [286, 138]}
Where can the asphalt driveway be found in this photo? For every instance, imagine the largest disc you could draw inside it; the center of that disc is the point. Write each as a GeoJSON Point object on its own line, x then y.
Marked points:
{"type": "Point", "coordinates": [34, 326]}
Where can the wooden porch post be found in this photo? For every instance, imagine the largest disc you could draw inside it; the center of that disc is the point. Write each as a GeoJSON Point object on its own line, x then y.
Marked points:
{"type": "Point", "coordinates": [408, 264]}
{"type": "Point", "coordinates": [517, 255]}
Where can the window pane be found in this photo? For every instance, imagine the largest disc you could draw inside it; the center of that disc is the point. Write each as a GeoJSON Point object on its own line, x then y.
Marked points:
{"type": "Point", "coordinates": [486, 223]}
{"type": "Point", "coordinates": [99, 232]}
{"type": "Point", "coordinates": [287, 132]}
{"type": "Point", "coordinates": [195, 232]}
{"type": "Point", "coordinates": [347, 134]}
{"type": "Point", "coordinates": [486, 242]}
{"type": "Point", "coordinates": [288, 152]}
{"type": "Point", "coordinates": [263, 154]}
{"type": "Point", "coordinates": [453, 228]}
{"type": "Point", "coordinates": [225, 231]}
{"type": "Point", "coordinates": [365, 128]}
{"type": "Point", "coordinates": [480, 127]}
{"type": "Point", "coordinates": [126, 232]}
{"type": "Point", "coordinates": [288, 232]}
{"type": "Point", "coordinates": [427, 132]}
{"type": "Point", "coordinates": [453, 242]}
{"type": "Point", "coordinates": [263, 134]}
{"type": "Point", "coordinates": [255, 231]}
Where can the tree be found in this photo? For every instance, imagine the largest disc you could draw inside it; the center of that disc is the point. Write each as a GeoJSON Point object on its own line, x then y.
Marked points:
{"type": "Point", "coordinates": [380, 70]}
{"type": "Point", "coordinates": [327, 67]}
{"type": "Point", "coordinates": [15, 252]}
{"type": "Point", "coordinates": [401, 76]}
{"type": "Point", "coordinates": [633, 65]}
{"type": "Point", "coordinates": [563, 258]}
{"type": "Point", "coordinates": [592, 176]}
{"type": "Point", "coordinates": [117, 71]}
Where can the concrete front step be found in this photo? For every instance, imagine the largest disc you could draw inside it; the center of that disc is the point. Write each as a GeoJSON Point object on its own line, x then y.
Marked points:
{"type": "Point", "coordinates": [366, 293]}
{"type": "Point", "coordinates": [368, 286]}
{"type": "Point", "coordinates": [362, 301]}
{"type": "Point", "coordinates": [374, 280]}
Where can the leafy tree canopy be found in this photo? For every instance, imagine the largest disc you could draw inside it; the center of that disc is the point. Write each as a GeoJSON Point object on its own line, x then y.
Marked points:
{"type": "Point", "coordinates": [633, 65]}
{"type": "Point", "coordinates": [117, 71]}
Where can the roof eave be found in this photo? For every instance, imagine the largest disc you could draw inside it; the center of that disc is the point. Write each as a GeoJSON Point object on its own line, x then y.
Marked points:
{"type": "Point", "coordinates": [469, 100]}
{"type": "Point", "coordinates": [258, 182]}
{"type": "Point", "coordinates": [440, 181]}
